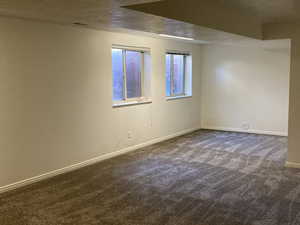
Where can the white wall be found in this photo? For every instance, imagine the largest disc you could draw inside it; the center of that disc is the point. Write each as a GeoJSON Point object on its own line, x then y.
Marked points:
{"type": "Point", "coordinates": [242, 85]}
{"type": "Point", "coordinates": [56, 97]}
{"type": "Point", "coordinates": [289, 30]}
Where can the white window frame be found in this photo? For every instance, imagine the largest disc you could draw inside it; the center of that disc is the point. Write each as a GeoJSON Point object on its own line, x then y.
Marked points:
{"type": "Point", "coordinates": [138, 100]}
{"type": "Point", "coordinates": [185, 93]}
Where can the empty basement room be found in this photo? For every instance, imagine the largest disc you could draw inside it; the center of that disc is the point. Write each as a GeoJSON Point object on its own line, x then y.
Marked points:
{"type": "Point", "coordinates": [149, 112]}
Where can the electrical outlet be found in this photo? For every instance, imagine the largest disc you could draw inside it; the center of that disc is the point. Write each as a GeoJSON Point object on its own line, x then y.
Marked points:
{"type": "Point", "coordinates": [245, 126]}
{"type": "Point", "coordinates": [129, 135]}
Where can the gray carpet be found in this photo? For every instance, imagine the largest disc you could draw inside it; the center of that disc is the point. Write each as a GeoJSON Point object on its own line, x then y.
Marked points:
{"type": "Point", "coordinates": [203, 178]}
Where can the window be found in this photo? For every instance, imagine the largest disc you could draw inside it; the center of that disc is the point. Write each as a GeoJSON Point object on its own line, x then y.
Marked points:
{"type": "Point", "coordinates": [178, 75]}
{"type": "Point", "coordinates": [128, 76]}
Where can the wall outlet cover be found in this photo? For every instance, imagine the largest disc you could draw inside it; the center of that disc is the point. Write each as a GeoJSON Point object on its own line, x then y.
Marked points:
{"type": "Point", "coordinates": [245, 126]}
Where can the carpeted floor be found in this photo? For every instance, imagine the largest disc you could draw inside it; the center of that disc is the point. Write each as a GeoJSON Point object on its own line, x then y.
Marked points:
{"type": "Point", "coordinates": [203, 178]}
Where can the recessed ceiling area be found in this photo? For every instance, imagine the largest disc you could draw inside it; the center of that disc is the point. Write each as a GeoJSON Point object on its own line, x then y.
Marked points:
{"type": "Point", "coordinates": [110, 14]}
{"type": "Point", "coordinates": [118, 15]}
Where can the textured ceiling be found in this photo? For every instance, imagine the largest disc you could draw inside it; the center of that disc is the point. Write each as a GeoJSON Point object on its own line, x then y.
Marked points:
{"type": "Point", "coordinates": [110, 14]}
{"type": "Point", "coordinates": [107, 14]}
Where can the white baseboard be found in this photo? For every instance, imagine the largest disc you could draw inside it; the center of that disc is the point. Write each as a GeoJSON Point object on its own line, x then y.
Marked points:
{"type": "Point", "coordinates": [91, 161]}
{"type": "Point", "coordinates": [292, 164]}
{"type": "Point", "coordinates": [275, 133]}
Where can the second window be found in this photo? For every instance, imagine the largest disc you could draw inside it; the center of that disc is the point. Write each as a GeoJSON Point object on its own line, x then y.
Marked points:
{"type": "Point", "coordinates": [175, 74]}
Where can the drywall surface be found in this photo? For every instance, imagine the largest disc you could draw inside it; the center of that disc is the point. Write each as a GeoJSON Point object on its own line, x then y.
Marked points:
{"type": "Point", "coordinates": [245, 89]}
{"type": "Point", "coordinates": [56, 97]}
{"type": "Point", "coordinates": [275, 31]}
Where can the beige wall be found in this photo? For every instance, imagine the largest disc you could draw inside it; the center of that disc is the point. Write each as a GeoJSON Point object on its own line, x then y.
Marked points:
{"type": "Point", "coordinates": [56, 97]}
{"type": "Point", "coordinates": [294, 116]}
{"type": "Point", "coordinates": [275, 31]}
{"type": "Point", "coordinates": [245, 89]}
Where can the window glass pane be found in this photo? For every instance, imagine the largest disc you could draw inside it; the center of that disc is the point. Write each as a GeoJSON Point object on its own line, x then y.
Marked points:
{"type": "Point", "coordinates": [118, 81]}
{"type": "Point", "coordinates": [168, 75]}
{"type": "Point", "coordinates": [133, 74]}
{"type": "Point", "coordinates": [178, 75]}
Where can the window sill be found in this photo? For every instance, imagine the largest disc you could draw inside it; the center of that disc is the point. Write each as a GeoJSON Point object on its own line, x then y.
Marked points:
{"type": "Point", "coordinates": [129, 103]}
{"type": "Point", "coordinates": [178, 97]}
